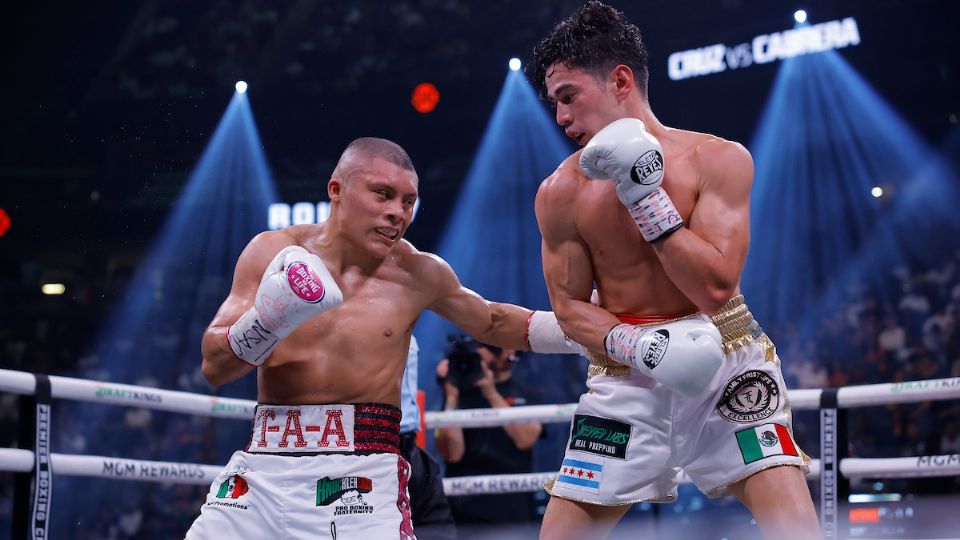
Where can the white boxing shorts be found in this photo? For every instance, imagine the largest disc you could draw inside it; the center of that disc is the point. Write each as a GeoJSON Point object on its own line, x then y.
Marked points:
{"type": "Point", "coordinates": [313, 471]}
{"type": "Point", "coordinates": [631, 438]}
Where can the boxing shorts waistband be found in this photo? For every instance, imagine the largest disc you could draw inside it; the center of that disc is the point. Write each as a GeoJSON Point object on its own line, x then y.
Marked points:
{"type": "Point", "coordinates": [346, 428]}
{"type": "Point", "coordinates": [738, 328]}
{"type": "Point", "coordinates": [601, 364]}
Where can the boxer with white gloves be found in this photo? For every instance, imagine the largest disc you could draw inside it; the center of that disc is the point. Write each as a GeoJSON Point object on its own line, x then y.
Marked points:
{"type": "Point", "coordinates": [325, 314]}
{"type": "Point", "coordinates": [681, 376]}
{"type": "Point", "coordinates": [295, 288]}
{"type": "Point", "coordinates": [625, 153]}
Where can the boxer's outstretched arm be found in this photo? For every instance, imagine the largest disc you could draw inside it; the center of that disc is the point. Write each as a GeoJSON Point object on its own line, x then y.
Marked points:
{"type": "Point", "coordinates": [220, 364]}
{"type": "Point", "coordinates": [503, 325]}
{"type": "Point", "coordinates": [705, 259]}
{"type": "Point", "coordinates": [567, 268]}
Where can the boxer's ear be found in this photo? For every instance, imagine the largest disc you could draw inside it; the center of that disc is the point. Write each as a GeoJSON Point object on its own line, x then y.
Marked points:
{"type": "Point", "coordinates": [334, 188]}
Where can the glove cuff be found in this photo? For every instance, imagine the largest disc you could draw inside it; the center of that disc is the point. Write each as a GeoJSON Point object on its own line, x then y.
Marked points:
{"type": "Point", "coordinates": [249, 340]}
{"type": "Point", "coordinates": [656, 215]}
{"type": "Point", "coordinates": [545, 336]}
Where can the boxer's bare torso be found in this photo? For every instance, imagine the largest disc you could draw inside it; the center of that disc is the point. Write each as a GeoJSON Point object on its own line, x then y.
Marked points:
{"type": "Point", "coordinates": [355, 352]}
{"type": "Point", "coordinates": [590, 239]}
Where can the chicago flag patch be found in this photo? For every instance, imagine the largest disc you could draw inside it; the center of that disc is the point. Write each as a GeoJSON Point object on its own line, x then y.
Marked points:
{"type": "Point", "coordinates": [765, 441]}
{"type": "Point", "coordinates": [581, 475]}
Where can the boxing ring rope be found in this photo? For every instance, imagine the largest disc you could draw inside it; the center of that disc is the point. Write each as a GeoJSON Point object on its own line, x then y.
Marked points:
{"type": "Point", "coordinates": [808, 399]}
{"type": "Point", "coordinates": [828, 401]}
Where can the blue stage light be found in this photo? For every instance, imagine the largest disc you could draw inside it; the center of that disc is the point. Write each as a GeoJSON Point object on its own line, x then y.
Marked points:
{"type": "Point", "coordinates": [825, 139]}
{"type": "Point", "coordinates": [152, 336]}
{"type": "Point", "coordinates": [241, 87]}
{"type": "Point", "coordinates": [800, 16]}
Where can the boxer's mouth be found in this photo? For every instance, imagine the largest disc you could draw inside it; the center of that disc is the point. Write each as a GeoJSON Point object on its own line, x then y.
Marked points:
{"type": "Point", "coordinates": [388, 232]}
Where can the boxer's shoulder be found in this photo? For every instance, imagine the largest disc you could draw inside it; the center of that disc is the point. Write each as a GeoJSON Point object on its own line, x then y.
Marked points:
{"type": "Point", "coordinates": [422, 265]}
{"type": "Point", "coordinates": [711, 153]}
{"type": "Point", "coordinates": [263, 247]}
{"type": "Point", "coordinates": [567, 176]}
{"type": "Point", "coordinates": [562, 188]}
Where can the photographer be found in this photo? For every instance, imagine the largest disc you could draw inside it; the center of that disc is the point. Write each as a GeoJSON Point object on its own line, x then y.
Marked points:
{"type": "Point", "coordinates": [474, 376]}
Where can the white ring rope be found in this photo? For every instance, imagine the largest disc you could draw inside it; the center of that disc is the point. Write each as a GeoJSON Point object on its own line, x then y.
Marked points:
{"type": "Point", "coordinates": [17, 460]}
{"type": "Point", "coordinates": [847, 397]}
{"type": "Point", "coordinates": [20, 382]}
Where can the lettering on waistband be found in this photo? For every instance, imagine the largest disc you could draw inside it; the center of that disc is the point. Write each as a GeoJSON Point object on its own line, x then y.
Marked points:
{"type": "Point", "coordinates": [340, 428]}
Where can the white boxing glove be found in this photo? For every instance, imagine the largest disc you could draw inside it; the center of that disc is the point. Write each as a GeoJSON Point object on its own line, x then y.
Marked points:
{"type": "Point", "coordinates": [545, 336]}
{"type": "Point", "coordinates": [683, 355]}
{"type": "Point", "coordinates": [295, 288]}
{"type": "Point", "coordinates": [625, 153]}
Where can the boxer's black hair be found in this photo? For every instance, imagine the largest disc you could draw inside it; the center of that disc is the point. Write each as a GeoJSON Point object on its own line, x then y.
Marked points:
{"type": "Point", "coordinates": [596, 39]}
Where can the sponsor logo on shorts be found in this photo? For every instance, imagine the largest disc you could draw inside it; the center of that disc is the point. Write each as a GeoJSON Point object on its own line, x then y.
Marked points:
{"type": "Point", "coordinates": [601, 436]}
{"type": "Point", "coordinates": [749, 397]}
{"type": "Point", "coordinates": [305, 283]}
{"type": "Point", "coordinates": [765, 441]}
{"type": "Point", "coordinates": [581, 475]}
{"type": "Point", "coordinates": [348, 491]}
{"type": "Point", "coordinates": [648, 169]}
{"type": "Point", "coordinates": [656, 348]}
{"type": "Point", "coordinates": [231, 489]}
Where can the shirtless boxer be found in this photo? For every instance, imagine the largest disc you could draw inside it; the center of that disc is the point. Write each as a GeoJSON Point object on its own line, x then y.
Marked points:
{"type": "Point", "coordinates": [681, 375]}
{"type": "Point", "coordinates": [325, 313]}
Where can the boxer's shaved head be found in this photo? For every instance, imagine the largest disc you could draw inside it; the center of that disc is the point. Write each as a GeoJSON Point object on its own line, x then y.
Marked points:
{"type": "Point", "coordinates": [366, 148]}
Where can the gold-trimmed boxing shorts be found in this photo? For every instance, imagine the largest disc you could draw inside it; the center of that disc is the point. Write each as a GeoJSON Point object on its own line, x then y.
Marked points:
{"type": "Point", "coordinates": [631, 437]}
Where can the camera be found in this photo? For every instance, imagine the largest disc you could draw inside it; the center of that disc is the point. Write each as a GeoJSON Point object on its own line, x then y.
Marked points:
{"type": "Point", "coordinates": [465, 369]}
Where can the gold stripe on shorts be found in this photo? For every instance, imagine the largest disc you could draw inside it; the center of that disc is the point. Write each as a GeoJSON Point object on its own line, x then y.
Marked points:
{"type": "Point", "coordinates": [738, 328]}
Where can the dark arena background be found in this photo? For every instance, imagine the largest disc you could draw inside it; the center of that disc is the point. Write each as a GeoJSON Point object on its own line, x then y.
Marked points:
{"type": "Point", "coordinates": [135, 166]}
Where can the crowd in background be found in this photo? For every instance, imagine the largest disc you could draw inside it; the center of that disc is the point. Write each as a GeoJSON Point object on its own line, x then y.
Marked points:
{"type": "Point", "coordinates": [906, 332]}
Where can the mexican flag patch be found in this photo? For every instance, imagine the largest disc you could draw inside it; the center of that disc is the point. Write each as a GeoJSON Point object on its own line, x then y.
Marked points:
{"type": "Point", "coordinates": [765, 441]}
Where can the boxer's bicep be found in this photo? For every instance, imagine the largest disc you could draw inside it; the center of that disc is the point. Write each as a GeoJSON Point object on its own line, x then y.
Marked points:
{"type": "Point", "coordinates": [721, 216]}
{"type": "Point", "coordinates": [568, 272]}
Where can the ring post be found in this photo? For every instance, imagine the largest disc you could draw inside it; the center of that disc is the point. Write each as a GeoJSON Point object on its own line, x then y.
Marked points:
{"type": "Point", "coordinates": [834, 488]}
{"type": "Point", "coordinates": [33, 490]}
